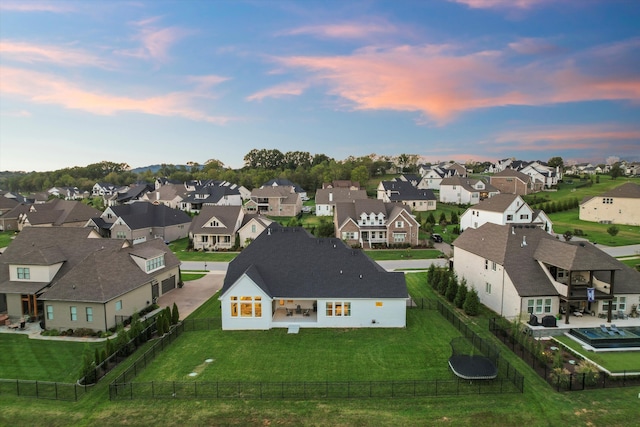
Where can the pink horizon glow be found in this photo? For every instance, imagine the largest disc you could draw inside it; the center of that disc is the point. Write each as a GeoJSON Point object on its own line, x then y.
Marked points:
{"type": "Point", "coordinates": [279, 91]}
{"type": "Point", "coordinates": [343, 31]}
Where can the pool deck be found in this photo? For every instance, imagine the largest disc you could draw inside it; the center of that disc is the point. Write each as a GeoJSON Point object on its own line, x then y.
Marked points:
{"type": "Point", "coordinates": [576, 322]}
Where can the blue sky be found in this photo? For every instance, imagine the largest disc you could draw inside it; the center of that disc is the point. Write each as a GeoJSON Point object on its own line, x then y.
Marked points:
{"type": "Point", "coordinates": [146, 82]}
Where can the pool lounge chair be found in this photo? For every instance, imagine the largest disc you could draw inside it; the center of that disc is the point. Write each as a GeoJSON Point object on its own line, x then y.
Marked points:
{"type": "Point", "coordinates": [615, 329]}
{"type": "Point", "coordinates": [607, 331]}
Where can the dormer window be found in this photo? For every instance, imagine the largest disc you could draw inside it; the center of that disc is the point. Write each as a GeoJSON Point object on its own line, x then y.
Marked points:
{"type": "Point", "coordinates": [24, 273]}
{"type": "Point", "coordinates": [214, 223]}
{"type": "Point", "coordinates": [154, 263]}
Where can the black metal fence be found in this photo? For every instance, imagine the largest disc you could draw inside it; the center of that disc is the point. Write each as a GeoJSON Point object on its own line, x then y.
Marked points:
{"type": "Point", "coordinates": [505, 369]}
{"type": "Point", "coordinates": [509, 379]}
{"type": "Point", "coordinates": [422, 303]}
{"type": "Point", "coordinates": [42, 389]}
{"type": "Point", "coordinates": [524, 347]}
{"type": "Point", "coordinates": [306, 390]}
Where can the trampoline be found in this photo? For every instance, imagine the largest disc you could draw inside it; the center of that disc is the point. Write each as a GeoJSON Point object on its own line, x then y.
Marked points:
{"type": "Point", "coordinates": [469, 366]}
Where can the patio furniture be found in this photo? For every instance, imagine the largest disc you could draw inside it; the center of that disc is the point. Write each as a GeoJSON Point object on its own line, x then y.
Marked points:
{"type": "Point", "coordinates": [289, 312]}
{"type": "Point", "coordinates": [622, 315]}
{"type": "Point", "coordinates": [306, 312]}
{"type": "Point", "coordinates": [549, 321]}
{"type": "Point", "coordinates": [604, 329]}
{"type": "Point", "coordinates": [298, 309]}
{"type": "Point", "coordinates": [614, 328]}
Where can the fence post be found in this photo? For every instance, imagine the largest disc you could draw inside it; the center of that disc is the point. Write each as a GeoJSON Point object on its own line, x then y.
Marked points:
{"type": "Point", "coordinates": [37, 394]}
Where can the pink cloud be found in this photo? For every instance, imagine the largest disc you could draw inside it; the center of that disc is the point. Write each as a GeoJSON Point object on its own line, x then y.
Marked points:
{"type": "Point", "coordinates": [27, 52]}
{"type": "Point", "coordinates": [155, 42]}
{"type": "Point", "coordinates": [343, 31]}
{"type": "Point", "coordinates": [279, 91]}
{"type": "Point", "coordinates": [441, 81]}
{"type": "Point", "coordinates": [576, 137]}
{"type": "Point", "coordinates": [43, 88]}
{"type": "Point", "coordinates": [24, 6]}
{"type": "Point", "coordinates": [205, 82]}
{"type": "Point", "coordinates": [501, 4]}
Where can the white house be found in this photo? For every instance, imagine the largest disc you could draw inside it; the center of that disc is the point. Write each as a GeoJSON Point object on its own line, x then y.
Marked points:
{"type": "Point", "coordinates": [620, 205]}
{"type": "Point", "coordinates": [504, 209]}
{"type": "Point", "coordinates": [464, 191]}
{"type": "Point", "coordinates": [326, 198]}
{"type": "Point", "coordinates": [287, 278]}
{"type": "Point", "coordinates": [520, 269]}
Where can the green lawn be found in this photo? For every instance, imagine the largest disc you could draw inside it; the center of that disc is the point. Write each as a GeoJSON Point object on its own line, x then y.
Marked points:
{"type": "Point", "coordinates": [632, 262]}
{"type": "Point", "coordinates": [594, 232]}
{"type": "Point", "coordinates": [613, 361]}
{"type": "Point", "coordinates": [419, 351]}
{"type": "Point", "coordinates": [6, 237]}
{"type": "Point", "coordinates": [401, 254]}
{"type": "Point", "coordinates": [42, 360]}
{"type": "Point", "coordinates": [539, 405]}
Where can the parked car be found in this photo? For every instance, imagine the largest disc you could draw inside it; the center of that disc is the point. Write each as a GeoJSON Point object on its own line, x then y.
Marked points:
{"type": "Point", "coordinates": [306, 209]}
{"type": "Point", "coordinates": [436, 238]}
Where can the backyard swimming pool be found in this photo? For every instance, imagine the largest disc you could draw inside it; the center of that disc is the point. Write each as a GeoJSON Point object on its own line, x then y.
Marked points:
{"type": "Point", "coordinates": [608, 336]}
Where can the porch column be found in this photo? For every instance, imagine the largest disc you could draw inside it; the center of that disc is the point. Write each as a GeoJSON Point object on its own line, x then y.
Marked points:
{"type": "Point", "coordinates": [567, 308]}
{"type": "Point", "coordinates": [613, 275]}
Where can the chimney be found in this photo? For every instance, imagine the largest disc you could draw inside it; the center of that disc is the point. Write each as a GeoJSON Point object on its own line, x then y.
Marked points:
{"type": "Point", "coordinates": [330, 196]}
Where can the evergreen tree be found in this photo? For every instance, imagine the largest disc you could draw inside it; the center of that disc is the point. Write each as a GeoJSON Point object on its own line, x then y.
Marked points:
{"type": "Point", "coordinates": [175, 316]}
{"type": "Point", "coordinates": [431, 219]}
{"type": "Point", "coordinates": [454, 218]}
{"type": "Point", "coordinates": [461, 295]}
{"type": "Point", "coordinates": [444, 282]}
{"type": "Point", "coordinates": [443, 218]}
{"type": "Point", "coordinates": [472, 303]}
{"type": "Point", "coordinates": [452, 288]}
{"type": "Point", "coordinates": [431, 272]}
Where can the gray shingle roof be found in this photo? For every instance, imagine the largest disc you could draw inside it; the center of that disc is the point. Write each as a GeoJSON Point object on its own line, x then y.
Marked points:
{"type": "Point", "coordinates": [504, 245]}
{"type": "Point", "coordinates": [339, 195]}
{"type": "Point", "coordinates": [497, 203]}
{"type": "Point", "coordinates": [290, 263]}
{"type": "Point", "coordinates": [628, 190]}
{"type": "Point", "coordinates": [58, 212]}
{"type": "Point", "coordinates": [144, 214]}
{"type": "Point", "coordinates": [227, 216]}
{"type": "Point", "coordinates": [94, 269]}
{"type": "Point", "coordinates": [403, 190]}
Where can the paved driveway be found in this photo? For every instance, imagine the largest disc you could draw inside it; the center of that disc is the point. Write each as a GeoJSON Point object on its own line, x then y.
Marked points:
{"type": "Point", "coordinates": [193, 294]}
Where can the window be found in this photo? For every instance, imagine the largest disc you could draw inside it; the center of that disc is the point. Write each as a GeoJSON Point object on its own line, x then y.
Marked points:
{"type": "Point", "coordinates": [253, 228]}
{"type": "Point", "coordinates": [524, 216]}
{"type": "Point", "coordinates": [348, 235]}
{"type": "Point", "coordinates": [214, 223]}
{"type": "Point", "coordinates": [155, 263]}
{"type": "Point", "coordinates": [487, 287]}
{"type": "Point", "coordinates": [509, 217]}
{"type": "Point", "coordinates": [486, 264]}
{"type": "Point", "coordinates": [246, 306]}
{"type": "Point", "coordinates": [378, 303]}
{"type": "Point", "coordinates": [74, 313]}
{"type": "Point", "coordinates": [493, 266]}
{"type": "Point", "coordinates": [399, 237]}
{"type": "Point", "coordinates": [121, 235]}
{"type": "Point", "coordinates": [340, 309]}
{"type": "Point", "coordinates": [399, 224]}
{"type": "Point", "coordinates": [24, 273]}
{"type": "Point", "coordinates": [89, 312]}
{"type": "Point", "coordinates": [49, 312]}
{"type": "Point", "coordinates": [539, 305]}
{"type": "Point", "coordinates": [618, 303]}
{"type": "Point", "coordinates": [118, 305]}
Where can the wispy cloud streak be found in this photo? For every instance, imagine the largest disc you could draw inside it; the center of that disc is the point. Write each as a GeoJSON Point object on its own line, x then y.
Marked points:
{"type": "Point", "coordinates": [32, 53]}
{"type": "Point", "coordinates": [41, 88]}
{"type": "Point", "coordinates": [441, 81]}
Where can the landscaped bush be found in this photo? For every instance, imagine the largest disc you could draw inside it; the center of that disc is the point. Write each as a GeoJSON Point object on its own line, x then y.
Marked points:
{"type": "Point", "coordinates": [589, 370]}
{"type": "Point", "coordinates": [50, 333]}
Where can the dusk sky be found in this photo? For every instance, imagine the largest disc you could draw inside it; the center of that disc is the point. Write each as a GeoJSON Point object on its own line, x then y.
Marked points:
{"type": "Point", "coordinates": [149, 82]}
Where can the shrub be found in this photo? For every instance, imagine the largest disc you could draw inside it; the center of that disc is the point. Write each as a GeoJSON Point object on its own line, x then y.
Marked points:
{"type": "Point", "coordinates": [471, 304]}
{"type": "Point", "coordinates": [560, 377]}
{"type": "Point", "coordinates": [461, 294]}
{"type": "Point", "coordinates": [175, 315]}
{"type": "Point", "coordinates": [589, 371]}
{"type": "Point", "coordinates": [452, 288]}
{"type": "Point", "coordinates": [50, 333]}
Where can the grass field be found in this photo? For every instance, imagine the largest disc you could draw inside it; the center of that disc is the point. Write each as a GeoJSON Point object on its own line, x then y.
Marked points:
{"type": "Point", "coordinates": [613, 361]}
{"type": "Point", "coordinates": [42, 360]}
{"type": "Point", "coordinates": [539, 405]}
{"type": "Point", "coordinates": [593, 231]}
{"type": "Point", "coordinates": [420, 351]}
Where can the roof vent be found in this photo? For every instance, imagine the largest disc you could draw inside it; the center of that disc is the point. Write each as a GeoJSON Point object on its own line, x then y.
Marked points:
{"type": "Point", "coordinates": [513, 230]}
{"type": "Point", "coordinates": [524, 241]}
{"type": "Point", "coordinates": [361, 276]}
{"type": "Point", "coordinates": [269, 231]}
